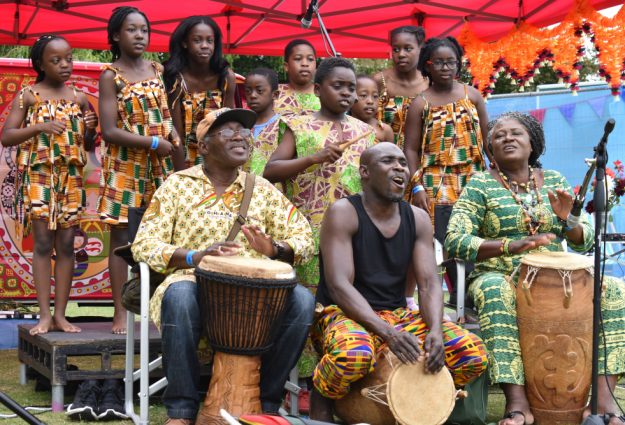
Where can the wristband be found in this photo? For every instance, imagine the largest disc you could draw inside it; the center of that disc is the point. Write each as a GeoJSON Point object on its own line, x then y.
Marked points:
{"type": "Point", "coordinates": [418, 188]}
{"type": "Point", "coordinates": [154, 143]}
{"type": "Point", "coordinates": [279, 250]}
{"type": "Point", "coordinates": [505, 247]}
{"type": "Point", "coordinates": [189, 258]}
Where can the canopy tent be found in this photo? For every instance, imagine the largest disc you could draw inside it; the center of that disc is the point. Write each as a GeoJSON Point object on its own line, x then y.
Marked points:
{"type": "Point", "coordinates": [357, 28]}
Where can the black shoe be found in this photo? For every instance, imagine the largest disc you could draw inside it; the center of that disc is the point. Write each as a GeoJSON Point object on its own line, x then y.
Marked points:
{"type": "Point", "coordinates": [85, 405]}
{"type": "Point", "coordinates": [111, 406]}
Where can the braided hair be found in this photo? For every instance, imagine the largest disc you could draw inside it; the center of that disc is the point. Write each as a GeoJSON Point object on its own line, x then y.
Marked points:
{"type": "Point", "coordinates": [178, 60]}
{"type": "Point", "coordinates": [418, 32]}
{"type": "Point", "coordinates": [115, 23]}
{"type": "Point", "coordinates": [430, 46]}
{"type": "Point", "coordinates": [534, 129]}
{"type": "Point", "coordinates": [36, 53]}
{"type": "Point", "coordinates": [327, 65]}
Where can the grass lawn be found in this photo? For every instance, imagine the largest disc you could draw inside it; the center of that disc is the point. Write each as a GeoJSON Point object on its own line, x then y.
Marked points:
{"type": "Point", "coordinates": [27, 396]}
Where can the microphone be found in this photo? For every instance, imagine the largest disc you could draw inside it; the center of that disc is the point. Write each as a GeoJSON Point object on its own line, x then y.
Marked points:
{"type": "Point", "coordinates": [573, 218]}
{"type": "Point", "coordinates": [307, 19]}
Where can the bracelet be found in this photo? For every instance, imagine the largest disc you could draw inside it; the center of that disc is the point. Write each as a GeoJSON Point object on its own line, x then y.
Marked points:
{"type": "Point", "coordinates": [565, 226]}
{"type": "Point", "coordinates": [279, 250]}
{"type": "Point", "coordinates": [505, 246]}
{"type": "Point", "coordinates": [154, 143]}
{"type": "Point", "coordinates": [189, 258]}
{"type": "Point", "coordinates": [418, 188]}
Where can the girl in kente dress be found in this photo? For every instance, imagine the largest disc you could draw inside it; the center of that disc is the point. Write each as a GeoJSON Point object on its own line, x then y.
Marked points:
{"type": "Point", "coordinates": [298, 96]}
{"type": "Point", "coordinates": [399, 85]}
{"type": "Point", "coordinates": [139, 136]}
{"type": "Point", "coordinates": [198, 80]}
{"type": "Point", "coordinates": [52, 124]}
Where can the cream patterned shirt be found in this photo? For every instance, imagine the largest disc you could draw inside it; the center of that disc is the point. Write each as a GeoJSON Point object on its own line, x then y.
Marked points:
{"type": "Point", "coordinates": [185, 213]}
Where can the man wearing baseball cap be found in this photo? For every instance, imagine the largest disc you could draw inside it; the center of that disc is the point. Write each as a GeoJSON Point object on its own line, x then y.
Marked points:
{"type": "Point", "coordinates": [190, 216]}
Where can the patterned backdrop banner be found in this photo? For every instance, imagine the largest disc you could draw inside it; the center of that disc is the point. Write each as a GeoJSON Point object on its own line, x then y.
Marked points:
{"type": "Point", "coordinates": [91, 277]}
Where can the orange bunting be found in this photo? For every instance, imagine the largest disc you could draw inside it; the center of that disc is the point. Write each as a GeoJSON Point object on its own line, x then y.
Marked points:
{"type": "Point", "coordinates": [520, 53]}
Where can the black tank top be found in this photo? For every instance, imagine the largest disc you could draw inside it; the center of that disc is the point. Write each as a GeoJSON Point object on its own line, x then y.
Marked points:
{"type": "Point", "coordinates": [380, 263]}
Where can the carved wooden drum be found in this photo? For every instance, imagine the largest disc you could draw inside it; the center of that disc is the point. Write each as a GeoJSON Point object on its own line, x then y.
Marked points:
{"type": "Point", "coordinates": [242, 301]}
{"type": "Point", "coordinates": [554, 314]}
{"type": "Point", "coordinates": [398, 393]}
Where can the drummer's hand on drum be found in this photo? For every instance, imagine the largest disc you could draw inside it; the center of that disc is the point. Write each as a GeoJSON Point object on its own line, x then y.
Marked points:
{"type": "Point", "coordinates": [434, 352]}
{"type": "Point", "coordinates": [405, 346]}
{"type": "Point", "coordinates": [259, 240]}
{"type": "Point", "coordinates": [531, 242]}
{"type": "Point", "coordinates": [561, 202]}
{"type": "Point", "coordinates": [218, 249]}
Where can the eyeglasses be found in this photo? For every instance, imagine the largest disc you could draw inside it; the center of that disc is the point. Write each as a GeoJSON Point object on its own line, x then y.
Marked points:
{"type": "Point", "coordinates": [439, 64]}
{"type": "Point", "coordinates": [228, 133]}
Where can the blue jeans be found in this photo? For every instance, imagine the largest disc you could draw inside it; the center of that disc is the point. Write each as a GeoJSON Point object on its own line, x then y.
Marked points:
{"type": "Point", "coordinates": [181, 328]}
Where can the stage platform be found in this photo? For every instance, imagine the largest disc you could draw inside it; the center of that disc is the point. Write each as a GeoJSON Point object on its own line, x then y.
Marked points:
{"type": "Point", "coordinates": [48, 354]}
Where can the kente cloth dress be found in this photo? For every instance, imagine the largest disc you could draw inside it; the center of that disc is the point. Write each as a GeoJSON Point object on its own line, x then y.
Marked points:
{"type": "Point", "coordinates": [49, 182]}
{"type": "Point", "coordinates": [130, 176]}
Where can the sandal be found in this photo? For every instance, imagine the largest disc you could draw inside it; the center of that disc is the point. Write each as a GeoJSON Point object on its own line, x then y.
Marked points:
{"type": "Point", "coordinates": [512, 414]}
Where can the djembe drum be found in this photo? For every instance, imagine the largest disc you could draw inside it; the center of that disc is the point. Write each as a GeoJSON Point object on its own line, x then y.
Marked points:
{"type": "Point", "coordinates": [554, 314]}
{"type": "Point", "coordinates": [242, 301]}
{"type": "Point", "coordinates": [399, 393]}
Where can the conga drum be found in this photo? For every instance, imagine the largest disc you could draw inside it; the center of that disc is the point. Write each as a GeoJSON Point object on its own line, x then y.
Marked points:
{"type": "Point", "coordinates": [242, 301]}
{"type": "Point", "coordinates": [554, 313]}
{"type": "Point", "coordinates": [398, 393]}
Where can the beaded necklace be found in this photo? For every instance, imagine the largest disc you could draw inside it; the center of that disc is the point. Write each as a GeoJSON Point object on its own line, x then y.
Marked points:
{"type": "Point", "coordinates": [531, 205]}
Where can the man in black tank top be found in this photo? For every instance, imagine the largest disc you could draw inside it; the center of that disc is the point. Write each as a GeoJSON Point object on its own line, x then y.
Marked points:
{"type": "Point", "coordinates": [372, 244]}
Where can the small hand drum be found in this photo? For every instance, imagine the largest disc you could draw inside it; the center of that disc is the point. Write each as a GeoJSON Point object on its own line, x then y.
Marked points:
{"type": "Point", "coordinates": [242, 301]}
{"type": "Point", "coordinates": [399, 393]}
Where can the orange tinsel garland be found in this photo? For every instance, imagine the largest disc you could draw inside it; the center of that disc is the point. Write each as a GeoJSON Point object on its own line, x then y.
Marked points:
{"type": "Point", "coordinates": [520, 53]}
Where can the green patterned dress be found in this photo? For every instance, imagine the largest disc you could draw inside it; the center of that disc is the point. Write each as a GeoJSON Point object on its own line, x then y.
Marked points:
{"type": "Point", "coordinates": [317, 187]}
{"type": "Point", "coordinates": [290, 102]}
{"type": "Point", "coordinates": [487, 211]}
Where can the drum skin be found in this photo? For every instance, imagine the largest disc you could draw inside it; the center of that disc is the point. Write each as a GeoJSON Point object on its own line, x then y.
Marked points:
{"type": "Point", "coordinates": [413, 396]}
{"type": "Point", "coordinates": [556, 336]}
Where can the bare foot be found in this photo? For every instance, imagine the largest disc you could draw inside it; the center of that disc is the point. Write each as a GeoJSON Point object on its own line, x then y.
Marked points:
{"type": "Point", "coordinates": [61, 324]}
{"type": "Point", "coordinates": [606, 404]}
{"type": "Point", "coordinates": [43, 326]}
{"type": "Point", "coordinates": [517, 417]}
{"type": "Point", "coordinates": [119, 323]}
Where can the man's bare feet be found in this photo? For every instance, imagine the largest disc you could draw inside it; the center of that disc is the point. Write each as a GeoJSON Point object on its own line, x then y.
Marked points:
{"type": "Point", "coordinates": [44, 325]}
{"type": "Point", "coordinates": [61, 324]}
{"type": "Point", "coordinates": [321, 408]}
{"type": "Point", "coordinates": [119, 322]}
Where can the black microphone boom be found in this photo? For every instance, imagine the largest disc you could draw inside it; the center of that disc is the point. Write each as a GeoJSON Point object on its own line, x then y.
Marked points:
{"type": "Point", "coordinates": [307, 19]}
{"type": "Point", "coordinates": [573, 219]}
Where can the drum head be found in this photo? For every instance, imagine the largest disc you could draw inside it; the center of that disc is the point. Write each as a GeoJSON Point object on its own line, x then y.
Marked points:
{"type": "Point", "coordinates": [419, 398]}
{"type": "Point", "coordinates": [254, 268]}
{"type": "Point", "coordinates": [558, 260]}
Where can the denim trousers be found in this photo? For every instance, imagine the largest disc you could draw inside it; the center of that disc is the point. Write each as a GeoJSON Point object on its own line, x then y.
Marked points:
{"type": "Point", "coordinates": [181, 328]}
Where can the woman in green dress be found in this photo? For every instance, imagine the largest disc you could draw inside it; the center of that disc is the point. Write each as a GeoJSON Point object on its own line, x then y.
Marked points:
{"type": "Point", "coordinates": [504, 213]}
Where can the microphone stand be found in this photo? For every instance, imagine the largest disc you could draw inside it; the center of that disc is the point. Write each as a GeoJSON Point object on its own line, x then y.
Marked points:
{"type": "Point", "coordinates": [599, 201]}
{"type": "Point", "coordinates": [324, 32]}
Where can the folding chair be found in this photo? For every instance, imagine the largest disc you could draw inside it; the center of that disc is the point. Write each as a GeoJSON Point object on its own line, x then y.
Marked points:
{"type": "Point", "coordinates": [460, 289]}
